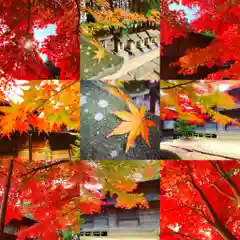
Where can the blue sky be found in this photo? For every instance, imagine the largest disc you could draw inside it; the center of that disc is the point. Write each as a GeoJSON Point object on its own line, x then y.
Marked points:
{"type": "Point", "coordinates": [190, 12]}
{"type": "Point", "coordinates": [41, 34]}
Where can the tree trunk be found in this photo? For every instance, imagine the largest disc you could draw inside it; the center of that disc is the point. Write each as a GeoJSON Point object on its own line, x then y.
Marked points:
{"type": "Point", "coordinates": [3, 208]}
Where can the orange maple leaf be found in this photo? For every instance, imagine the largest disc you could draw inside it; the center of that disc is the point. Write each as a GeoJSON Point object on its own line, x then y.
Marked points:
{"type": "Point", "coordinates": [118, 93]}
{"type": "Point", "coordinates": [134, 124]}
{"type": "Point", "coordinates": [39, 123]}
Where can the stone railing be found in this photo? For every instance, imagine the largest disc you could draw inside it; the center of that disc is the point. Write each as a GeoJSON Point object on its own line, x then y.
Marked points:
{"type": "Point", "coordinates": [132, 45]}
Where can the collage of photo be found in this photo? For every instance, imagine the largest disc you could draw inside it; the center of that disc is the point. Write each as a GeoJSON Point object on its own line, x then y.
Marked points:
{"type": "Point", "coordinates": [119, 119]}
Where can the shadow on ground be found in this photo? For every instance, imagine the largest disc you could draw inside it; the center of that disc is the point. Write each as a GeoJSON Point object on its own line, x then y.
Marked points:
{"type": "Point", "coordinates": [167, 155]}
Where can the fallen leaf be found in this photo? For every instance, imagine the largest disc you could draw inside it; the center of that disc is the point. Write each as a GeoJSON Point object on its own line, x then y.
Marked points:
{"type": "Point", "coordinates": [99, 54]}
{"type": "Point", "coordinates": [134, 124]}
{"type": "Point", "coordinates": [118, 93]}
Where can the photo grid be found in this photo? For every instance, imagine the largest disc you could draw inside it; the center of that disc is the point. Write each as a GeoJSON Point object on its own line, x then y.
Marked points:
{"type": "Point", "coordinates": [109, 131]}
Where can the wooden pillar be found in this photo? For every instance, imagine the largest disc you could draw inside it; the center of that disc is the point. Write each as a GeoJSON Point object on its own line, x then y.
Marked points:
{"type": "Point", "coordinates": [30, 146]}
{"type": "Point", "coordinates": [138, 217]}
{"type": "Point", "coordinates": [153, 99]}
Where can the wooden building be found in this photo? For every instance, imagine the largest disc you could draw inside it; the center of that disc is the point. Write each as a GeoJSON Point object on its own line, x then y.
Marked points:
{"type": "Point", "coordinates": [145, 93]}
{"type": "Point", "coordinates": [178, 48]}
{"type": "Point", "coordinates": [114, 221]}
{"type": "Point", "coordinates": [55, 146]}
{"type": "Point", "coordinates": [14, 226]}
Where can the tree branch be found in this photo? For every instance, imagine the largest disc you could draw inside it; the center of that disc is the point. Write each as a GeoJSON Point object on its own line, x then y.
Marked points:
{"type": "Point", "coordinates": [230, 182]}
{"type": "Point", "coordinates": [78, 10]}
{"type": "Point", "coordinates": [219, 226]}
{"type": "Point", "coordinates": [44, 167]}
{"type": "Point", "coordinates": [222, 192]}
{"type": "Point", "coordinates": [28, 18]}
{"type": "Point", "coordinates": [182, 234]}
{"type": "Point", "coordinates": [177, 85]}
{"type": "Point", "coordinates": [64, 88]}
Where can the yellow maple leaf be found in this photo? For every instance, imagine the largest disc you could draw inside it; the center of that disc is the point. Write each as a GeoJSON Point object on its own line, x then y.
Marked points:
{"type": "Point", "coordinates": [14, 119]}
{"type": "Point", "coordinates": [99, 54]}
{"type": "Point", "coordinates": [222, 119]}
{"type": "Point", "coordinates": [134, 124]}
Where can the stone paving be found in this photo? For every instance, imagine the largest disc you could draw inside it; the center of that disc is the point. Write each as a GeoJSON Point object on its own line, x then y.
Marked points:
{"type": "Point", "coordinates": [139, 62]}
{"type": "Point", "coordinates": [144, 67]}
{"type": "Point", "coordinates": [149, 70]}
{"type": "Point", "coordinates": [90, 68]}
{"type": "Point", "coordinates": [204, 149]}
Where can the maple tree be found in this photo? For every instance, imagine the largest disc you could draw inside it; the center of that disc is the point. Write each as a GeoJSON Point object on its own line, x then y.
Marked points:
{"type": "Point", "coordinates": [55, 193]}
{"type": "Point", "coordinates": [196, 100]}
{"type": "Point", "coordinates": [20, 51]}
{"type": "Point", "coordinates": [39, 105]}
{"type": "Point", "coordinates": [220, 18]}
{"type": "Point", "coordinates": [45, 106]}
{"type": "Point", "coordinates": [200, 200]}
{"type": "Point", "coordinates": [107, 15]}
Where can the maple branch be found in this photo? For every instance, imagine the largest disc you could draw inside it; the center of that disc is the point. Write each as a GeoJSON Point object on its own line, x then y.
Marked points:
{"type": "Point", "coordinates": [219, 226]}
{"type": "Point", "coordinates": [208, 204]}
{"type": "Point", "coordinates": [29, 13]}
{"type": "Point", "coordinates": [64, 88]}
{"type": "Point", "coordinates": [210, 222]}
{"type": "Point", "coordinates": [222, 192]}
{"type": "Point", "coordinates": [230, 182]}
{"type": "Point", "coordinates": [78, 9]}
{"type": "Point", "coordinates": [44, 167]}
{"type": "Point", "coordinates": [180, 233]}
{"type": "Point", "coordinates": [194, 210]}
{"type": "Point", "coordinates": [73, 209]}
{"type": "Point", "coordinates": [177, 85]}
